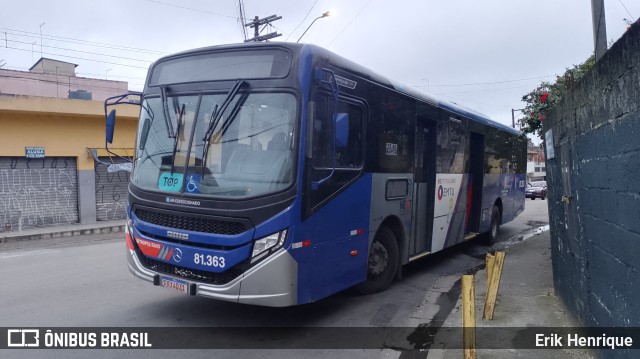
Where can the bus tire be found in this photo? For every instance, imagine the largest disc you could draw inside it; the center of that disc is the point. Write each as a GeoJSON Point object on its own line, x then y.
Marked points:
{"type": "Point", "coordinates": [382, 263]}
{"type": "Point", "coordinates": [494, 227]}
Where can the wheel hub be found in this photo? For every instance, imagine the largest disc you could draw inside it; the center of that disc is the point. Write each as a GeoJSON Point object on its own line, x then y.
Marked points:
{"type": "Point", "coordinates": [378, 259]}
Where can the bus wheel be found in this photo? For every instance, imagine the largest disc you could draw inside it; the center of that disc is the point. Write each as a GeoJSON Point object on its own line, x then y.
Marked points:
{"type": "Point", "coordinates": [382, 263]}
{"type": "Point", "coordinates": [494, 227]}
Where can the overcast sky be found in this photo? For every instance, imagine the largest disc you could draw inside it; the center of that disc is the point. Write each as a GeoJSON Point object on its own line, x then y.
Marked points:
{"type": "Point", "coordinates": [505, 48]}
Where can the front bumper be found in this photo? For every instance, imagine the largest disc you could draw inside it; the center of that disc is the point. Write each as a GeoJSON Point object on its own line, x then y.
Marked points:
{"type": "Point", "coordinates": [272, 282]}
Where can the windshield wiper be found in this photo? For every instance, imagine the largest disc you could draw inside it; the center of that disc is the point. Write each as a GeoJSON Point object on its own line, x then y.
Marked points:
{"type": "Point", "coordinates": [176, 137]}
{"type": "Point", "coordinates": [216, 115]}
{"type": "Point", "coordinates": [167, 118]}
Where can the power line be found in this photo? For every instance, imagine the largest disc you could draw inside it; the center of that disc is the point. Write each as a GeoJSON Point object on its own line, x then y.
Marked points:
{"type": "Point", "coordinates": [80, 58]}
{"type": "Point", "coordinates": [241, 22]}
{"type": "Point", "coordinates": [83, 75]}
{"type": "Point", "coordinates": [86, 74]}
{"type": "Point", "coordinates": [476, 102]}
{"type": "Point", "coordinates": [488, 83]}
{"type": "Point", "coordinates": [79, 41]}
{"type": "Point", "coordinates": [79, 75]}
{"type": "Point", "coordinates": [486, 90]}
{"type": "Point", "coordinates": [84, 52]}
{"type": "Point", "coordinates": [349, 24]}
{"type": "Point", "coordinates": [279, 29]}
{"type": "Point", "coordinates": [192, 9]}
{"type": "Point", "coordinates": [305, 17]}
{"type": "Point", "coordinates": [621, 3]}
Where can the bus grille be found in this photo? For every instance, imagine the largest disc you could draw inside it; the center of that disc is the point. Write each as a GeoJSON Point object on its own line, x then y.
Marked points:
{"type": "Point", "coordinates": [194, 274]}
{"type": "Point", "coordinates": [187, 223]}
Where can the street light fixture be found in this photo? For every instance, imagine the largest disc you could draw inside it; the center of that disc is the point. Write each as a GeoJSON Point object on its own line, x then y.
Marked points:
{"type": "Point", "coordinates": [326, 14]}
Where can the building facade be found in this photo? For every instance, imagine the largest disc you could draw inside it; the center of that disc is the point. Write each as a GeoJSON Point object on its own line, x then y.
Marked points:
{"type": "Point", "coordinates": [536, 169]}
{"type": "Point", "coordinates": [49, 174]}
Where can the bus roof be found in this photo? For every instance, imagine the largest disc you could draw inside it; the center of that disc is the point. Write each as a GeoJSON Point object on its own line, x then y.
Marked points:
{"type": "Point", "coordinates": [366, 73]}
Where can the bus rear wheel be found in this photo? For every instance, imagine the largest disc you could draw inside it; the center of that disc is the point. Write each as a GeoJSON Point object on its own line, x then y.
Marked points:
{"type": "Point", "coordinates": [494, 227]}
{"type": "Point", "coordinates": [382, 263]}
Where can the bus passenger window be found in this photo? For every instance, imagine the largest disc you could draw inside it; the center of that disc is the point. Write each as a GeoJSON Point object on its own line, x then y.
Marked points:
{"type": "Point", "coordinates": [348, 159]}
{"type": "Point", "coordinates": [323, 129]}
{"type": "Point", "coordinates": [452, 143]}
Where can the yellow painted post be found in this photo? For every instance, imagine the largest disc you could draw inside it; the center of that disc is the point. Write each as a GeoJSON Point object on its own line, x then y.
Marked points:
{"type": "Point", "coordinates": [492, 286]}
{"type": "Point", "coordinates": [469, 316]}
{"type": "Point", "coordinates": [490, 259]}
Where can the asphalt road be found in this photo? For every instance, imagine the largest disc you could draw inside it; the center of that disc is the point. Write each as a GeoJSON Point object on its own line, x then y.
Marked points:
{"type": "Point", "coordinates": [89, 285]}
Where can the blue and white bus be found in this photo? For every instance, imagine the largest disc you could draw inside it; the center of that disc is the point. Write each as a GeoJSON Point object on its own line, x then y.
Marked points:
{"type": "Point", "coordinates": [278, 174]}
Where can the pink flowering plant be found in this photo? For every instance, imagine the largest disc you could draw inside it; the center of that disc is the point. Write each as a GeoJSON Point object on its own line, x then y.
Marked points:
{"type": "Point", "coordinates": [541, 101]}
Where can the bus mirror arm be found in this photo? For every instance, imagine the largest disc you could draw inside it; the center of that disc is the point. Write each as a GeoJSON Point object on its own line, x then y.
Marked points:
{"type": "Point", "coordinates": [316, 184]}
{"type": "Point", "coordinates": [331, 82]}
{"type": "Point", "coordinates": [110, 117]}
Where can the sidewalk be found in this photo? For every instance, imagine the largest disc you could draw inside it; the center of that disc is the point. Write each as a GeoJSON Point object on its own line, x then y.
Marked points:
{"type": "Point", "coordinates": [525, 299]}
{"type": "Point", "coordinates": [72, 233]}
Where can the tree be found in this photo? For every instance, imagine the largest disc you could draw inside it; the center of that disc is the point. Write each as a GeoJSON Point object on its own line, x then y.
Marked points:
{"type": "Point", "coordinates": [541, 101]}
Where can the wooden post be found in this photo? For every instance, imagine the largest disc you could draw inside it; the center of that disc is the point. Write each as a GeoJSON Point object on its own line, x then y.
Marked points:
{"type": "Point", "coordinates": [469, 316]}
{"type": "Point", "coordinates": [492, 286]}
{"type": "Point", "coordinates": [489, 259]}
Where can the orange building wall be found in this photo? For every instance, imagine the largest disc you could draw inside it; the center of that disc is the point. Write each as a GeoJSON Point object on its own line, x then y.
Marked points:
{"type": "Point", "coordinates": [63, 127]}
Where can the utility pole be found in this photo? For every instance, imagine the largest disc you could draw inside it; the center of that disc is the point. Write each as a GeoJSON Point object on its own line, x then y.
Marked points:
{"type": "Point", "coordinates": [513, 116]}
{"type": "Point", "coordinates": [257, 22]}
{"type": "Point", "coordinates": [599, 28]}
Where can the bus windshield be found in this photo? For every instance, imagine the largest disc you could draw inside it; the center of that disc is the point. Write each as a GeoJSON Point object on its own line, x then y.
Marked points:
{"type": "Point", "coordinates": [247, 152]}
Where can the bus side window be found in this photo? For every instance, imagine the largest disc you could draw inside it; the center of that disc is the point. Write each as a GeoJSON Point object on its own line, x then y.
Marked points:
{"type": "Point", "coordinates": [323, 127]}
{"type": "Point", "coordinates": [348, 160]}
{"type": "Point", "coordinates": [452, 143]}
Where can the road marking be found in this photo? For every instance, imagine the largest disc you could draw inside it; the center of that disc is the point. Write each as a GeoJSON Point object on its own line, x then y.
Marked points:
{"type": "Point", "coordinates": [29, 253]}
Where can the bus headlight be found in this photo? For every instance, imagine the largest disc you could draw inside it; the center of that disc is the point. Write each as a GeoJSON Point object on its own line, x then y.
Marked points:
{"type": "Point", "coordinates": [271, 242]}
{"type": "Point", "coordinates": [128, 226]}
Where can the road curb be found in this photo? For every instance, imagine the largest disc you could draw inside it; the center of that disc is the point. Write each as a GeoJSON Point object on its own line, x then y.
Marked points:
{"type": "Point", "coordinates": [62, 232]}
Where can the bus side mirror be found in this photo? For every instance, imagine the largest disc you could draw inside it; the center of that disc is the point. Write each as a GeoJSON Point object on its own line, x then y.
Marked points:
{"type": "Point", "coordinates": [111, 124]}
{"type": "Point", "coordinates": [342, 129]}
{"type": "Point", "coordinates": [144, 134]}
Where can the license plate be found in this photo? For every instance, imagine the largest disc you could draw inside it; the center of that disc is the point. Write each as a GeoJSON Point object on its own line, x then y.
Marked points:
{"type": "Point", "coordinates": [175, 284]}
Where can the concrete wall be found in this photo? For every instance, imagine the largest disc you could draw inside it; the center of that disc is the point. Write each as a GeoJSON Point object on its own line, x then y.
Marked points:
{"type": "Point", "coordinates": [25, 83]}
{"type": "Point", "coordinates": [595, 231]}
{"type": "Point", "coordinates": [65, 128]}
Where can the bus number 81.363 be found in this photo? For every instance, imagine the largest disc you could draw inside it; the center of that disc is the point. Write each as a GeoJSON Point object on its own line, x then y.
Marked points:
{"type": "Point", "coordinates": [208, 260]}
